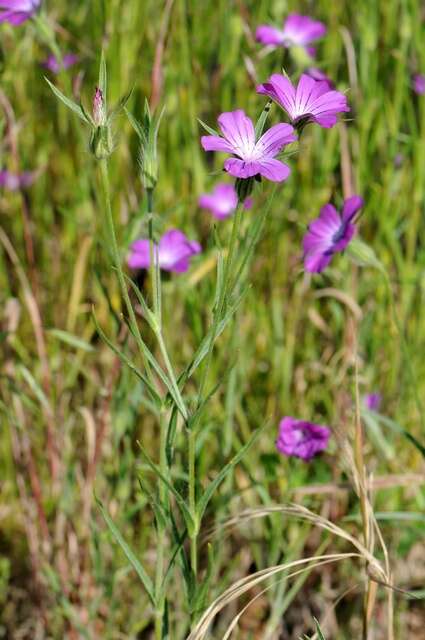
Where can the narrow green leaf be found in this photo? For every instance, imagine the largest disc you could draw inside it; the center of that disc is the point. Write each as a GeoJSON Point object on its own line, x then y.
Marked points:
{"type": "Point", "coordinates": [171, 435]}
{"type": "Point", "coordinates": [120, 104]}
{"type": "Point", "coordinates": [203, 502]}
{"type": "Point", "coordinates": [260, 124]}
{"type": "Point", "coordinates": [35, 387]}
{"type": "Point", "coordinates": [135, 563]}
{"type": "Point", "coordinates": [205, 344]}
{"type": "Point", "coordinates": [103, 77]}
{"type": "Point", "coordinates": [156, 398]}
{"type": "Point", "coordinates": [67, 102]}
{"type": "Point", "coordinates": [137, 126]}
{"type": "Point", "coordinates": [71, 340]}
{"type": "Point", "coordinates": [399, 429]}
{"type": "Point", "coordinates": [180, 501]}
{"type": "Point", "coordinates": [208, 129]}
{"type": "Point", "coordinates": [318, 630]}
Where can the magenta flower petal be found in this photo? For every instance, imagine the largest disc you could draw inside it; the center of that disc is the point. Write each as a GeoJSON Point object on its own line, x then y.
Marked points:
{"type": "Point", "coordinates": [53, 64]}
{"type": "Point", "coordinates": [372, 401]}
{"type": "Point", "coordinates": [215, 143]}
{"type": "Point", "coordinates": [350, 207]}
{"type": "Point", "coordinates": [301, 439]}
{"type": "Point", "coordinates": [173, 252]}
{"type": "Point", "coordinates": [280, 89]}
{"type": "Point", "coordinates": [222, 202]}
{"type": "Point", "coordinates": [302, 30]}
{"type": "Point", "coordinates": [17, 11]}
{"type": "Point", "coordinates": [15, 181]}
{"type": "Point", "coordinates": [275, 139]}
{"type": "Point", "coordinates": [330, 233]}
{"type": "Point", "coordinates": [269, 35]}
{"type": "Point", "coordinates": [238, 130]}
{"type": "Point", "coordinates": [252, 157]}
{"type": "Point", "coordinates": [241, 169]}
{"type": "Point", "coordinates": [419, 84]}
{"type": "Point", "coordinates": [320, 76]}
{"type": "Point", "coordinates": [274, 170]}
{"type": "Point", "coordinates": [310, 101]}
{"type": "Point", "coordinates": [297, 31]}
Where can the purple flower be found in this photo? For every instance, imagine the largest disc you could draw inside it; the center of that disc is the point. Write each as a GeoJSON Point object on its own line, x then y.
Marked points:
{"type": "Point", "coordinates": [301, 439]}
{"type": "Point", "coordinates": [252, 157]}
{"type": "Point", "coordinates": [372, 401]}
{"type": "Point", "coordinates": [99, 112]}
{"type": "Point", "coordinates": [16, 181]}
{"type": "Point", "coordinates": [419, 84]}
{"type": "Point", "coordinates": [173, 252]}
{"type": "Point", "coordinates": [320, 76]}
{"type": "Point", "coordinates": [54, 65]}
{"type": "Point", "coordinates": [17, 11]}
{"type": "Point", "coordinates": [222, 202]}
{"type": "Point", "coordinates": [310, 101]}
{"type": "Point", "coordinates": [329, 234]}
{"type": "Point", "coordinates": [297, 31]}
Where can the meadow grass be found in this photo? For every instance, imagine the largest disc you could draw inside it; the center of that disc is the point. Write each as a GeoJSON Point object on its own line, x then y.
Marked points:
{"type": "Point", "coordinates": [76, 486]}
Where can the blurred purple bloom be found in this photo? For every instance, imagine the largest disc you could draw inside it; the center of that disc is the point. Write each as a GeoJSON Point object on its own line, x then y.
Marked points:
{"type": "Point", "coordinates": [301, 439]}
{"type": "Point", "coordinates": [173, 252]}
{"type": "Point", "coordinates": [54, 65]}
{"type": "Point", "coordinates": [16, 181]}
{"type": "Point", "coordinates": [419, 84]}
{"type": "Point", "coordinates": [222, 201]}
{"type": "Point", "coordinates": [297, 31]}
{"type": "Point", "coordinates": [17, 11]}
{"type": "Point", "coordinates": [252, 157]}
{"type": "Point", "coordinates": [372, 401]}
{"type": "Point", "coordinates": [329, 234]}
{"type": "Point", "coordinates": [320, 76]}
{"type": "Point", "coordinates": [310, 101]}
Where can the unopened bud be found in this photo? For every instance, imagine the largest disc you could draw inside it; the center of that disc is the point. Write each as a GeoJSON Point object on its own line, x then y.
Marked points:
{"type": "Point", "coordinates": [99, 111]}
{"type": "Point", "coordinates": [244, 187]}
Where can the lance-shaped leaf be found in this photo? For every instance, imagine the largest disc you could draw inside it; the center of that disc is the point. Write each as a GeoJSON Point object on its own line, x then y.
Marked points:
{"type": "Point", "coordinates": [76, 108]}
{"type": "Point", "coordinates": [132, 558]}
{"type": "Point", "coordinates": [190, 524]}
{"type": "Point", "coordinates": [203, 502]}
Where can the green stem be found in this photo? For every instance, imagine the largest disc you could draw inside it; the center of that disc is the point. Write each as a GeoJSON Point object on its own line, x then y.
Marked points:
{"type": "Point", "coordinates": [192, 501]}
{"type": "Point", "coordinates": [406, 353]}
{"type": "Point", "coordinates": [222, 298]}
{"type": "Point", "coordinates": [153, 259]}
{"type": "Point", "coordinates": [161, 538]}
{"type": "Point", "coordinates": [170, 370]}
{"type": "Point", "coordinates": [193, 427]}
{"type": "Point", "coordinates": [117, 263]}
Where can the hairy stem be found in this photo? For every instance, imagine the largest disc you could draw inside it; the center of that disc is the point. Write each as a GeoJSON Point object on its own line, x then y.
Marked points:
{"type": "Point", "coordinates": [117, 263]}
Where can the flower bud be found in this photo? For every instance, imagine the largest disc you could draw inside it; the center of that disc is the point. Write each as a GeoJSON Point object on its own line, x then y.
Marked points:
{"type": "Point", "coordinates": [244, 187]}
{"type": "Point", "coordinates": [101, 142]}
{"type": "Point", "coordinates": [99, 111]}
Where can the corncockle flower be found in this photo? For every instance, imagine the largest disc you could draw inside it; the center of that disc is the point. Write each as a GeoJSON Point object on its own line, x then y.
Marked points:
{"type": "Point", "coordinates": [419, 84]}
{"type": "Point", "coordinates": [372, 401]}
{"type": "Point", "coordinates": [15, 181]}
{"type": "Point", "coordinates": [17, 11]}
{"type": "Point", "coordinates": [173, 252]}
{"type": "Point", "coordinates": [222, 201]}
{"type": "Point", "coordinates": [54, 65]}
{"type": "Point", "coordinates": [329, 234]}
{"type": "Point", "coordinates": [301, 439]}
{"type": "Point", "coordinates": [297, 31]}
{"type": "Point", "coordinates": [310, 101]}
{"type": "Point", "coordinates": [320, 76]}
{"type": "Point", "coordinates": [252, 157]}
